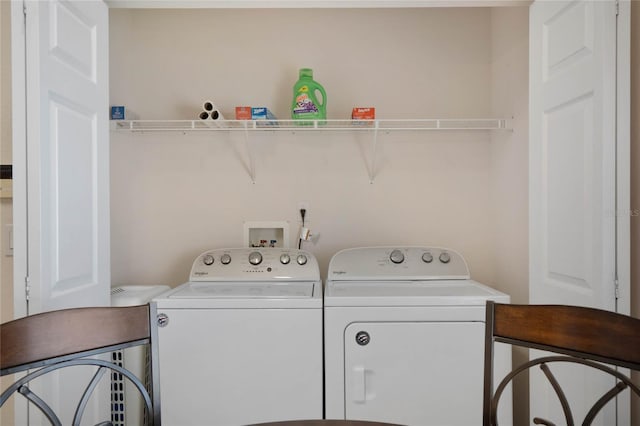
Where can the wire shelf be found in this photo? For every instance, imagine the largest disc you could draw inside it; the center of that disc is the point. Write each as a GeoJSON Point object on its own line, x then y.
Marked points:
{"type": "Point", "coordinates": [373, 127]}
{"type": "Point", "coordinates": [310, 125]}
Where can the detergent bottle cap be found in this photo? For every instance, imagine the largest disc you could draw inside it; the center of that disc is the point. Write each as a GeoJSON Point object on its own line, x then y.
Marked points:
{"type": "Point", "coordinates": [306, 72]}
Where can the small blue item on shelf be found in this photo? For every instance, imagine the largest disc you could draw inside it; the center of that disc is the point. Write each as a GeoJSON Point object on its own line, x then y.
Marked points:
{"type": "Point", "coordinates": [263, 113]}
{"type": "Point", "coordinates": [117, 112]}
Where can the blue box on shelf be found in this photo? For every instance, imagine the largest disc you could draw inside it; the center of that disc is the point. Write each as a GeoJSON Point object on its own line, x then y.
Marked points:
{"type": "Point", "coordinates": [262, 113]}
{"type": "Point", "coordinates": [117, 112]}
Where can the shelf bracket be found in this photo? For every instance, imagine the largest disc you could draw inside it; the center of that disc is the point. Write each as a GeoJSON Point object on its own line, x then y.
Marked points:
{"type": "Point", "coordinates": [252, 167]}
{"type": "Point", "coordinates": [374, 154]}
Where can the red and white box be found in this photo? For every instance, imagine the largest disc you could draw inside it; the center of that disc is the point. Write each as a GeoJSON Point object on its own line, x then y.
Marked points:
{"type": "Point", "coordinates": [363, 113]}
{"type": "Point", "coordinates": [243, 113]}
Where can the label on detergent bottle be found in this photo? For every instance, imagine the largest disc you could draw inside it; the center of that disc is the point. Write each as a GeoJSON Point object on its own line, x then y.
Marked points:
{"type": "Point", "coordinates": [304, 104]}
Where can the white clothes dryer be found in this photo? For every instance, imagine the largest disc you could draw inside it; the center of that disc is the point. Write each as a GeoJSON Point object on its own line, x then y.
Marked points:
{"type": "Point", "coordinates": [404, 338]}
{"type": "Point", "coordinates": [241, 342]}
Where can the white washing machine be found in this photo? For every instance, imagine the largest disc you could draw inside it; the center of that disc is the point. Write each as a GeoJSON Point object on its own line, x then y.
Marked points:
{"type": "Point", "coordinates": [404, 338]}
{"type": "Point", "coordinates": [241, 342]}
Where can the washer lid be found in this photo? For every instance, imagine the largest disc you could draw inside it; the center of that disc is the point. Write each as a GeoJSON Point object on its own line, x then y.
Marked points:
{"type": "Point", "coordinates": [244, 290]}
{"type": "Point", "coordinates": [409, 293]}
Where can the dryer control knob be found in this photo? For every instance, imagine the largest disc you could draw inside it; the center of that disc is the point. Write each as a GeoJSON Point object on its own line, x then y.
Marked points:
{"type": "Point", "coordinates": [225, 259]}
{"type": "Point", "coordinates": [255, 258]}
{"type": "Point", "coordinates": [207, 260]}
{"type": "Point", "coordinates": [285, 259]}
{"type": "Point", "coordinates": [301, 259]}
{"type": "Point", "coordinates": [396, 256]}
{"type": "Point", "coordinates": [427, 257]}
{"type": "Point", "coordinates": [444, 257]}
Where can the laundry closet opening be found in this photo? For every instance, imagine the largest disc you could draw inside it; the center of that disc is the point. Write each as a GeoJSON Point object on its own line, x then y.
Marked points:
{"type": "Point", "coordinates": [177, 194]}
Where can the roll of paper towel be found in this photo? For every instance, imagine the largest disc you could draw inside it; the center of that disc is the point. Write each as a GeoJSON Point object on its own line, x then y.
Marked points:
{"type": "Point", "coordinates": [211, 112]}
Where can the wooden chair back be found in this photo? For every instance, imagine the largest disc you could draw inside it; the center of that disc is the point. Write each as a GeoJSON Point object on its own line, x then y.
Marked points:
{"type": "Point", "coordinates": [54, 340]}
{"type": "Point", "coordinates": [579, 335]}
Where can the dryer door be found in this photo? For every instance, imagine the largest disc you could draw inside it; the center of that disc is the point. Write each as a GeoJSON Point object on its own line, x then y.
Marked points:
{"type": "Point", "coordinates": [414, 373]}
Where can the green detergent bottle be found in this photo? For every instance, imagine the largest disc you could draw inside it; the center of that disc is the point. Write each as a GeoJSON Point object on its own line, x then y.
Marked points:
{"type": "Point", "coordinates": [307, 105]}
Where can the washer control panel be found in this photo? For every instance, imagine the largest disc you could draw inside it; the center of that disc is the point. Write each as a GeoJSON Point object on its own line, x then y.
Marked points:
{"type": "Point", "coordinates": [255, 264]}
{"type": "Point", "coordinates": [397, 263]}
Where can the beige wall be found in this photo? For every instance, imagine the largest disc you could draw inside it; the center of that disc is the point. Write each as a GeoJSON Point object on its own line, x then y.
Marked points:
{"type": "Point", "coordinates": [509, 151]}
{"type": "Point", "coordinates": [509, 170]}
{"type": "Point", "coordinates": [174, 196]}
{"type": "Point", "coordinates": [6, 263]}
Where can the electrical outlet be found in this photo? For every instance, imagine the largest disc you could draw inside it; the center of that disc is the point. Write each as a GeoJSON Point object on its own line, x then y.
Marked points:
{"type": "Point", "coordinates": [303, 205]}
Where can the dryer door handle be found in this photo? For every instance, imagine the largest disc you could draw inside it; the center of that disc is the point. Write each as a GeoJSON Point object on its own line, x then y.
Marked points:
{"type": "Point", "coordinates": [359, 384]}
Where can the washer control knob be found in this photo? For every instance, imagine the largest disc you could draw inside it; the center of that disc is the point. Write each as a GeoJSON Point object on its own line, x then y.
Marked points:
{"type": "Point", "coordinates": [285, 259]}
{"type": "Point", "coordinates": [207, 260]}
{"type": "Point", "coordinates": [444, 257]}
{"type": "Point", "coordinates": [427, 257]}
{"type": "Point", "coordinates": [301, 259]}
{"type": "Point", "coordinates": [225, 259]}
{"type": "Point", "coordinates": [396, 256]}
{"type": "Point", "coordinates": [255, 258]}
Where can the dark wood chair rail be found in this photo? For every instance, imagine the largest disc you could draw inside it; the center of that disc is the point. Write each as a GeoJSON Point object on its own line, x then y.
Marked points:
{"type": "Point", "coordinates": [326, 423]}
{"type": "Point", "coordinates": [68, 331]}
{"type": "Point", "coordinates": [592, 332]}
{"type": "Point", "coordinates": [573, 334]}
{"type": "Point", "coordinates": [70, 338]}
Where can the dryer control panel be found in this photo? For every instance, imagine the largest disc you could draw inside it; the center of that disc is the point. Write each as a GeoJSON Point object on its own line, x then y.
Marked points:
{"type": "Point", "coordinates": [255, 264]}
{"type": "Point", "coordinates": [397, 263]}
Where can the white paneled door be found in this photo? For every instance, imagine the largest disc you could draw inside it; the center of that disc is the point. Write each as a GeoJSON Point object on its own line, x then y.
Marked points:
{"type": "Point", "coordinates": [65, 161]}
{"type": "Point", "coordinates": [67, 154]}
{"type": "Point", "coordinates": [573, 176]}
